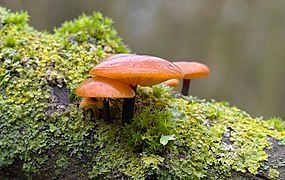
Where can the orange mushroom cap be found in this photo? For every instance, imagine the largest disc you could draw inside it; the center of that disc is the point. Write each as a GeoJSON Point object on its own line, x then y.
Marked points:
{"type": "Point", "coordinates": [89, 102]}
{"type": "Point", "coordinates": [118, 56]}
{"type": "Point", "coordinates": [137, 69]}
{"type": "Point", "coordinates": [102, 87]}
{"type": "Point", "coordinates": [193, 69]}
{"type": "Point", "coordinates": [172, 83]}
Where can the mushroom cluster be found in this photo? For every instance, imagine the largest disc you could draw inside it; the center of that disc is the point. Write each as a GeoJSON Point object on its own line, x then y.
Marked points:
{"type": "Point", "coordinates": [191, 70]}
{"type": "Point", "coordinates": [174, 83]}
{"type": "Point", "coordinates": [103, 88]}
{"type": "Point", "coordinates": [118, 77]}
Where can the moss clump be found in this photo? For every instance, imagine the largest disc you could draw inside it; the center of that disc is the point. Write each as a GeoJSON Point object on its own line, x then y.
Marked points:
{"type": "Point", "coordinates": [42, 129]}
{"type": "Point", "coordinates": [35, 68]}
{"type": "Point", "coordinates": [205, 138]}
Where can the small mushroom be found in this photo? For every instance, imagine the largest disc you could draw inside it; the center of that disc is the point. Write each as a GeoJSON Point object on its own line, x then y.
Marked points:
{"type": "Point", "coordinates": [174, 83]}
{"type": "Point", "coordinates": [105, 88]}
{"type": "Point", "coordinates": [191, 70]}
{"type": "Point", "coordinates": [94, 104]}
{"type": "Point", "coordinates": [136, 70]}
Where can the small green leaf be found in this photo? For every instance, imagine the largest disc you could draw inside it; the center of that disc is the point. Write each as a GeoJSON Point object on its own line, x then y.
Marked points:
{"type": "Point", "coordinates": [164, 139]}
{"type": "Point", "coordinates": [52, 128]}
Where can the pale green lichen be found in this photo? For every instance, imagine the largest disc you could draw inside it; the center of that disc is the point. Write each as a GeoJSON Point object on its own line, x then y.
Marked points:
{"type": "Point", "coordinates": [273, 173]}
{"type": "Point", "coordinates": [31, 63]}
{"type": "Point", "coordinates": [58, 139]}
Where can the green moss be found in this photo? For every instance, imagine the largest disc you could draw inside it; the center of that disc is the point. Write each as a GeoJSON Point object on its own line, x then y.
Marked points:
{"type": "Point", "coordinates": [273, 173]}
{"type": "Point", "coordinates": [172, 137]}
{"type": "Point", "coordinates": [276, 123]}
{"type": "Point", "coordinates": [33, 120]}
{"type": "Point", "coordinates": [147, 129]}
{"type": "Point", "coordinates": [200, 129]}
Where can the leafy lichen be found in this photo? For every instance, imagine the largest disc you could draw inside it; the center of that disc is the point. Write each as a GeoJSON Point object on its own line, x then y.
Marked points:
{"type": "Point", "coordinates": [172, 137]}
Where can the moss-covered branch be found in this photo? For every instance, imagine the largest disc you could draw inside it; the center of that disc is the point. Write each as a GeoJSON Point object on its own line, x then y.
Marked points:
{"type": "Point", "coordinates": [43, 133]}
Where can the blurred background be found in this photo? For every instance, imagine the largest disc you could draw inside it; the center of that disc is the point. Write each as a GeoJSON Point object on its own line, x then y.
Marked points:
{"type": "Point", "coordinates": [243, 42]}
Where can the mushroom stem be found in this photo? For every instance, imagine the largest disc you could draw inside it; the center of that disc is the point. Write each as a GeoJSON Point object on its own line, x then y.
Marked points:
{"type": "Point", "coordinates": [129, 108]}
{"type": "Point", "coordinates": [106, 110]}
{"type": "Point", "coordinates": [185, 87]}
{"type": "Point", "coordinates": [95, 111]}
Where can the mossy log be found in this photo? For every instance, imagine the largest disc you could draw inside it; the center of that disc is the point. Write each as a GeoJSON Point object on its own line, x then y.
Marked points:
{"type": "Point", "coordinates": [44, 135]}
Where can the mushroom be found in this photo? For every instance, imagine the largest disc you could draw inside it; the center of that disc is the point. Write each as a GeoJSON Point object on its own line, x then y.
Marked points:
{"type": "Point", "coordinates": [191, 70]}
{"type": "Point", "coordinates": [92, 103]}
{"type": "Point", "coordinates": [174, 83]}
{"type": "Point", "coordinates": [105, 88]}
{"type": "Point", "coordinates": [118, 56]}
{"type": "Point", "coordinates": [136, 70]}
